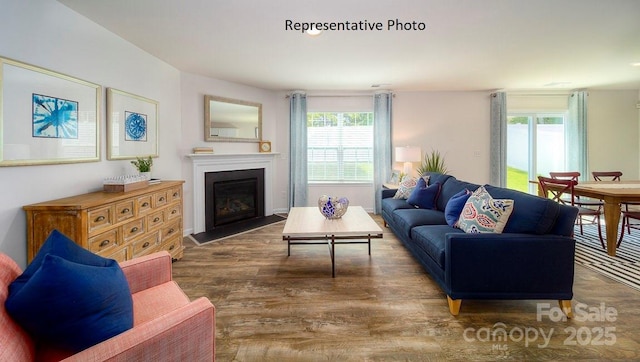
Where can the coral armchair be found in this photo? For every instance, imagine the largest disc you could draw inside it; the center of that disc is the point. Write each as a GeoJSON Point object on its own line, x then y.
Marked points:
{"type": "Point", "coordinates": [167, 326]}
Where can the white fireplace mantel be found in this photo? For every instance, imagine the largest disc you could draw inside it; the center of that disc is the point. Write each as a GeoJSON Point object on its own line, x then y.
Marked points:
{"type": "Point", "coordinates": [203, 163]}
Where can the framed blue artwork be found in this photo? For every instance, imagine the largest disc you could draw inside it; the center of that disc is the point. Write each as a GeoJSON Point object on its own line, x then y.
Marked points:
{"type": "Point", "coordinates": [135, 126]}
{"type": "Point", "coordinates": [47, 117]}
{"type": "Point", "coordinates": [132, 125]}
{"type": "Point", "coordinates": [54, 117]}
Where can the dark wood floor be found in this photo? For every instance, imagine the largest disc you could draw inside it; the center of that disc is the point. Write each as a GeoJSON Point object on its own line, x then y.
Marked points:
{"type": "Point", "coordinates": [384, 307]}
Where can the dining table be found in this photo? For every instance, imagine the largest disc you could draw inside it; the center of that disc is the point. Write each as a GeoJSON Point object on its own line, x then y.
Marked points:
{"type": "Point", "coordinates": [612, 193]}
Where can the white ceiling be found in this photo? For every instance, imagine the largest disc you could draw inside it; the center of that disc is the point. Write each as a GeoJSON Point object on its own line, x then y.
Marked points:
{"type": "Point", "coordinates": [467, 44]}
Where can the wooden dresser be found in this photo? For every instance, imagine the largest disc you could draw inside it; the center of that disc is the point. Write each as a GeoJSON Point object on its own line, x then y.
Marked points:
{"type": "Point", "coordinates": [120, 226]}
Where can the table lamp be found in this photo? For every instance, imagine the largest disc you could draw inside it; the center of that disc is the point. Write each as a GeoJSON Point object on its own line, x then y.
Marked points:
{"type": "Point", "coordinates": [408, 155]}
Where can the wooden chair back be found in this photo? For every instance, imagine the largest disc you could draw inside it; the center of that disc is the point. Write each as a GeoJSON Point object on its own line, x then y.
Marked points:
{"type": "Point", "coordinates": [606, 175]}
{"type": "Point", "coordinates": [555, 189]}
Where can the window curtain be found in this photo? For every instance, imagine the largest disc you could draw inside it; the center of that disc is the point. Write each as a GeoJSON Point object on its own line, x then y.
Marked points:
{"type": "Point", "coordinates": [381, 143]}
{"type": "Point", "coordinates": [298, 182]}
{"type": "Point", "coordinates": [498, 139]}
{"type": "Point", "coordinates": [576, 134]}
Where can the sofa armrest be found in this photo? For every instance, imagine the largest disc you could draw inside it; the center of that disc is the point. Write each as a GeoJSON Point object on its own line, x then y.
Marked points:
{"type": "Point", "coordinates": [147, 271]}
{"type": "Point", "coordinates": [184, 334]}
{"type": "Point", "coordinates": [512, 265]}
{"type": "Point", "coordinates": [386, 193]}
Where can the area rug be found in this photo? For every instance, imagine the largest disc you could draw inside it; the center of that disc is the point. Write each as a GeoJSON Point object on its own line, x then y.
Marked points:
{"type": "Point", "coordinates": [229, 231]}
{"type": "Point", "coordinates": [623, 268]}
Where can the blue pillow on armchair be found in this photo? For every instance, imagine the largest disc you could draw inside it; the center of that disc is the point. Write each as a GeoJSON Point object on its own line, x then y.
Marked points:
{"type": "Point", "coordinates": [424, 196]}
{"type": "Point", "coordinates": [69, 298]}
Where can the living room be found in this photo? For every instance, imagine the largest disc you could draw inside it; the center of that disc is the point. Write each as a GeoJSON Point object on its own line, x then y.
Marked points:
{"type": "Point", "coordinates": [451, 119]}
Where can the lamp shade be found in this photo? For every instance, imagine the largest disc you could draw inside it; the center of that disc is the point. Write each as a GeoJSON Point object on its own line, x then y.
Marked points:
{"type": "Point", "coordinates": [408, 154]}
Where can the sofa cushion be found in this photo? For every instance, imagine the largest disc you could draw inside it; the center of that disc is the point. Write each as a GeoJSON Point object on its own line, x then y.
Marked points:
{"type": "Point", "coordinates": [450, 188]}
{"type": "Point", "coordinates": [389, 205]}
{"type": "Point", "coordinates": [424, 196]}
{"type": "Point", "coordinates": [454, 207]}
{"type": "Point", "coordinates": [484, 214]}
{"type": "Point", "coordinates": [431, 239]}
{"type": "Point", "coordinates": [406, 219]}
{"type": "Point", "coordinates": [531, 214]}
{"type": "Point", "coordinates": [69, 305]}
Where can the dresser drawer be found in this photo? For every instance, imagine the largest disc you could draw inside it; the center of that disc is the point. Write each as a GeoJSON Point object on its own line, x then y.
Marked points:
{"type": "Point", "coordinates": [132, 229]}
{"type": "Point", "coordinates": [175, 194]}
{"type": "Point", "coordinates": [172, 245]}
{"type": "Point", "coordinates": [171, 230]}
{"type": "Point", "coordinates": [145, 245]}
{"type": "Point", "coordinates": [124, 210]}
{"type": "Point", "coordinates": [104, 242]}
{"type": "Point", "coordinates": [100, 218]}
{"type": "Point", "coordinates": [144, 204]}
{"type": "Point", "coordinates": [160, 198]}
{"type": "Point", "coordinates": [155, 220]}
{"type": "Point", "coordinates": [118, 255]}
{"type": "Point", "coordinates": [174, 211]}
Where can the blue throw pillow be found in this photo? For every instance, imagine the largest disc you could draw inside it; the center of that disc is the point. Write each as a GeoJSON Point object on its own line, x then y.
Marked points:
{"type": "Point", "coordinates": [424, 196]}
{"type": "Point", "coordinates": [454, 207]}
{"type": "Point", "coordinates": [69, 305]}
{"type": "Point", "coordinates": [57, 244]}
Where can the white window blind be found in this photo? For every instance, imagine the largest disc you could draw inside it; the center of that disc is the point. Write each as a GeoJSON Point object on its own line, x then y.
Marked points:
{"type": "Point", "coordinates": [340, 146]}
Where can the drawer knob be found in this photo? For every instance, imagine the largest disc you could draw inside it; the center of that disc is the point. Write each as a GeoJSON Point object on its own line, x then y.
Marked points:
{"type": "Point", "coordinates": [171, 231]}
{"type": "Point", "coordinates": [161, 198]}
{"type": "Point", "coordinates": [173, 212]}
{"type": "Point", "coordinates": [145, 204]}
{"type": "Point", "coordinates": [99, 218]}
{"type": "Point", "coordinates": [104, 243]}
{"type": "Point", "coordinates": [145, 244]}
{"type": "Point", "coordinates": [171, 247]}
{"type": "Point", "coordinates": [125, 210]}
{"type": "Point", "coordinates": [175, 194]}
{"type": "Point", "coordinates": [134, 229]}
{"type": "Point", "coordinates": [156, 219]}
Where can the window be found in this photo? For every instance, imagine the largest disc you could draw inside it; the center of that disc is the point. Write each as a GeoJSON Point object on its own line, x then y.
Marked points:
{"type": "Point", "coordinates": [535, 146]}
{"type": "Point", "coordinates": [340, 146]}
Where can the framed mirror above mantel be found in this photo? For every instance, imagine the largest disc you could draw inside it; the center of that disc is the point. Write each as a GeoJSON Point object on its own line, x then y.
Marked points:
{"type": "Point", "coordinates": [231, 120]}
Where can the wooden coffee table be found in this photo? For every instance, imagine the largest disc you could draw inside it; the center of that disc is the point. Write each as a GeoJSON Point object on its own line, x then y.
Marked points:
{"type": "Point", "coordinates": [307, 223]}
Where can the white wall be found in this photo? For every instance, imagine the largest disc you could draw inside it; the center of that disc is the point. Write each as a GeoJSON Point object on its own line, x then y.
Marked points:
{"type": "Point", "coordinates": [454, 123]}
{"type": "Point", "coordinates": [613, 137]}
{"type": "Point", "coordinates": [49, 35]}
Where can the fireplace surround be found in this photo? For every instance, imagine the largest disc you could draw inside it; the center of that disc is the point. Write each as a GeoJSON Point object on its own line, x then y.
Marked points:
{"type": "Point", "coordinates": [203, 163]}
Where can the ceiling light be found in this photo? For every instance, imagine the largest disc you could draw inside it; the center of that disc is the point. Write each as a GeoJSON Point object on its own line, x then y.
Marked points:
{"type": "Point", "coordinates": [556, 84]}
{"type": "Point", "coordinates": [314, 32]}
{"type": "Point", "coordinates": [636, 64]}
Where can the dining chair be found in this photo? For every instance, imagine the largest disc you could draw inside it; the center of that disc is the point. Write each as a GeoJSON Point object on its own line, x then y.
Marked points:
{"type": "Point", "coordinates": [588, 203]}
{"type": "Point", "coordinates": [630, 210]}
{"type": "Point", "coordinates": [606, 175]}
{"type": "Point", "coordinates": [562, 191]}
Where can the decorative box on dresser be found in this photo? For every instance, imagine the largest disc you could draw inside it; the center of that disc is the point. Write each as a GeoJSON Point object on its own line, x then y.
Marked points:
{"type": "Point", "coordinates": [116, 225]}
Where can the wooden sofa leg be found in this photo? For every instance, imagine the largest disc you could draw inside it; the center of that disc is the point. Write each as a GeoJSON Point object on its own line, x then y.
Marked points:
{"type": "Point", "coordinates": [565, 305]}
{"type": "Point", "coordinates": [454, 305]}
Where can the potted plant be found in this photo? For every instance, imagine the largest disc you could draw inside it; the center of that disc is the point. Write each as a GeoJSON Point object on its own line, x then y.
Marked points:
{"type": "Point", "coordinates": [432, 162]}
{"type": "Point", "coordinates": [143, 165]}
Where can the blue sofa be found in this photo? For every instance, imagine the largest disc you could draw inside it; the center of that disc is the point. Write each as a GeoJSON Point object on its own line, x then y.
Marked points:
{"type": "Point", "coordinates": [533, 258]}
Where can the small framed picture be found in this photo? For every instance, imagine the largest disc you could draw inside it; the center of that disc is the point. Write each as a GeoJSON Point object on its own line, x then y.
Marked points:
{"type": "Point", "coordinates": [395, 177]}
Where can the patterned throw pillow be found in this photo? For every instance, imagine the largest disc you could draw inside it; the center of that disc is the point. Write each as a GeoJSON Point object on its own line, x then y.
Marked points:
{"type": "Point", "coordinates": [484, 214]}
{"type": "Point", "coordinates": [408, 184]}
{"type": "Point", "coordinates": [405, 188]}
